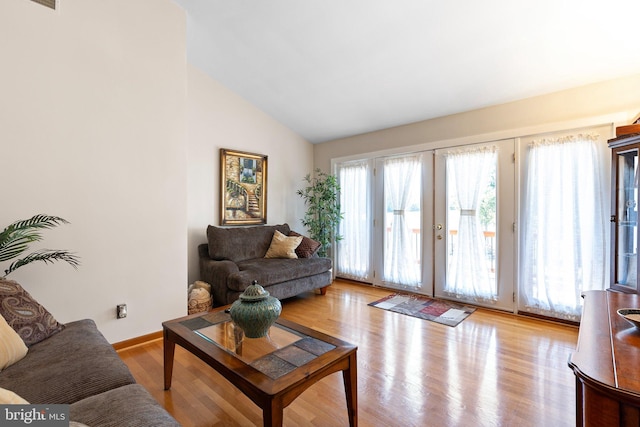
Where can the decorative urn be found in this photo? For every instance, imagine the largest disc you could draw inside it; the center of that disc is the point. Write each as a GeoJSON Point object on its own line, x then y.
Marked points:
{"type": "Point", "coordinates": [255, 311]}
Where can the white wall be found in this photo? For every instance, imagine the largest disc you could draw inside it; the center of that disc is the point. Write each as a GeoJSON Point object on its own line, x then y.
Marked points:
{"type": "Point", "coordinates": [92, 128]}
{"type": "Point", "coordinates": [218, 118]}
{"type": "Point", "coordinates": [546, 113]}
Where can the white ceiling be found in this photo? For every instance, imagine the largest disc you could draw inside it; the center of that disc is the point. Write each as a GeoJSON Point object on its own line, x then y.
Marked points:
{"type": "Point", "coordinates": [333, 68]}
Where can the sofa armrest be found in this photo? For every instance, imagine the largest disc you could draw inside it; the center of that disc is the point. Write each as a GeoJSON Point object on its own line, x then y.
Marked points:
{"type": "Point", "coordinates": [215, 273]}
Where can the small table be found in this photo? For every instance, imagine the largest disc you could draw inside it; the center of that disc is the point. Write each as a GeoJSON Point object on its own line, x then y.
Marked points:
{"type": "Point", "coordinates": [272, 371]}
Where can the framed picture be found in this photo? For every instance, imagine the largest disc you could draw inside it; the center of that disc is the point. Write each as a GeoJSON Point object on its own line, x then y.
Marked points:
{"type": "Point", "coordinates": [243, 182]}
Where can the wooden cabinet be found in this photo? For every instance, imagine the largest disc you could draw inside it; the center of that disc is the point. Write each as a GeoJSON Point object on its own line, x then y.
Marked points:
{"type": "Point", "coordinates": [606, 362]}
{"type": "Point", "coordinates": [624, 214]}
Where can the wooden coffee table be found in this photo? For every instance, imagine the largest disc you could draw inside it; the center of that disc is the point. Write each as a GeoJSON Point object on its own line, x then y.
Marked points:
{"type": "Point", "coordinates": [272, 371]}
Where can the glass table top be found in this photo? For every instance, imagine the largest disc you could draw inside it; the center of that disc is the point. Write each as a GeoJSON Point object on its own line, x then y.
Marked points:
{"type": "Point", "coordinates": [280, 352]}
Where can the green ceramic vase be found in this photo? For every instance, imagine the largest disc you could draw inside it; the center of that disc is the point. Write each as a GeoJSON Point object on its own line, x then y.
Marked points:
{"type": "Point", "coordinates": [255, 311]}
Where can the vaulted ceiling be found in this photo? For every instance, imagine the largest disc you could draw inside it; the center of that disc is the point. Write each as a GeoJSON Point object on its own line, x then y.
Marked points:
{"type": "Point", "coordinates": [333, 68]}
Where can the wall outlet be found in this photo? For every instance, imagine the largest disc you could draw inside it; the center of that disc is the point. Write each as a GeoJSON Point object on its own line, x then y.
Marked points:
{"type": "Point", "coordinates": [121, 311]}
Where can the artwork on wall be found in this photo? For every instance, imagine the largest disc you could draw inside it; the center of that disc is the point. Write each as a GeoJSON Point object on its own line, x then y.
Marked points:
{"type": "Point", "coordinates": [243, 187]}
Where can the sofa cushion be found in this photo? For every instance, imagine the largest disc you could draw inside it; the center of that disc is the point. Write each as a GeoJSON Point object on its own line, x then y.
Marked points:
{"type": "Point", "coordinates": [12, 348]}
{"type": "Point", "coordinates": [130, 405]}
{"type": "Point", "coordinates": [283, 246]}
{"type": "Point", "coordinates": [271, 271]}
{"type": "Point", "coordinates": [25, 315]}
{"type": "Point", "coordinates": [241, 243]}
{"type": "Point", "coordinates": [307, 247]}
{"type": "Point", "coordinates": [69, 366]}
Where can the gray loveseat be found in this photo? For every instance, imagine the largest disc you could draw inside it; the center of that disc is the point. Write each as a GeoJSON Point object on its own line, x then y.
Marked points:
{"type": "Point", "coordinates": [77, 366]}
{"type": "Point", "coordinates": [234, 257]}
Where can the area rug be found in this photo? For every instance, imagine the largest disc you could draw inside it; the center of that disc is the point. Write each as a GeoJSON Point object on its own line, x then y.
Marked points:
{"type": "Point", "coordinates": [436, 310]}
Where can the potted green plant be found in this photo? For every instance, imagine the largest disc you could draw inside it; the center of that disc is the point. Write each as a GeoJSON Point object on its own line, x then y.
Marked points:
{"type": "Point", "coordinates": [15, 240]}
{"type": "Point", "coordinates": [321, 196]}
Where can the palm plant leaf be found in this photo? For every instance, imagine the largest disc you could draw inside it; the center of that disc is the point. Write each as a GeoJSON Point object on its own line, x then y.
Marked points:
{"type": "Point", "coordinates": [12, 245]}
{"type": "Point", "coordinates": [16, 237]}
{"type": "Point", "coordinates": [46, 256]}
{"type": "Point", "coordinates": [35, 222]}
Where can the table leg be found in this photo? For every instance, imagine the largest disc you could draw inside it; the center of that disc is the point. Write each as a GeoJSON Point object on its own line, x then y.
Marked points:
{"type": "Point", "coordinates": [350, 377]}
{"type": "Point", "coordinates": [169, 350]}
{"type": "Point", "coordinates": [272, 414]}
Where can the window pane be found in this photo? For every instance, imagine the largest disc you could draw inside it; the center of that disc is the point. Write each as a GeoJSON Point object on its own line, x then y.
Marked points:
{"type": "Point", "coordinates": [471, 222]}
{"type": "Point", "coordinates": [353, 254]}
{"type": "Point", "coordinates": [402, 236]}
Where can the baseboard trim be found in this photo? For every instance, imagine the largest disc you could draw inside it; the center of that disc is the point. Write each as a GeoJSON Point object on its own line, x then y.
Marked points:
{"type": "Point", "coordinates": [144, 339]}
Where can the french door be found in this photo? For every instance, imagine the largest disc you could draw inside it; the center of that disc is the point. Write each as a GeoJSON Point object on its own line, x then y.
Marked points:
{"type": "Point", "coordinates": [402, 228]}
{"type": "Point", "coordinates": [475, 217]}
{"type": "Point", "coordinates": [425, 236]}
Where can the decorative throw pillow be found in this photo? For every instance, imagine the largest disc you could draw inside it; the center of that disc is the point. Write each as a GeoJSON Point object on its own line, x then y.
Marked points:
{"type": "Point", "coordinates": [283, 246]}
{"type": "Point", "coordinates": [12, 348]}
{"type": "Point", "coordinates": [307, 247]}
{"type": "Point", "coordinates": [25, 315]}
{"type": "Point", "coordinates": [7, 397]}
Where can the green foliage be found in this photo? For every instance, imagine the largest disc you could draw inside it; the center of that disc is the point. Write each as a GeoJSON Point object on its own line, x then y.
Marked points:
{"type": "Point", "coordinates": [323, 208]}
{"type": "Point", "coordinates": [488, 205]}
{"type": "Point", "coordinates": [15, 240]}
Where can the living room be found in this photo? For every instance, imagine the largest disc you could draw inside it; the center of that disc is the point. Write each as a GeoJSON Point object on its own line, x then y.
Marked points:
{"type": "Point", "coordinates": [106, 124]}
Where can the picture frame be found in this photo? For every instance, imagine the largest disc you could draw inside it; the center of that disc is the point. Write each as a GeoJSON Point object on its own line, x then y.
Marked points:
{"type": "Point", "coordinates": [243, 188]}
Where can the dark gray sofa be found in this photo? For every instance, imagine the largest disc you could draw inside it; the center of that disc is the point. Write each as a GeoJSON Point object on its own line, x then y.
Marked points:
{"type": "Point", "coordinates": [234, 257]}
{"type": "Point", "coordinates": [78, 366]}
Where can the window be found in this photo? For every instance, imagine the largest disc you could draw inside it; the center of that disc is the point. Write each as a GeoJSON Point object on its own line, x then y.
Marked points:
{"type": "Point", "coordinates": [353, 255]}
{"type": "Point", "coordinates": [563, 226]}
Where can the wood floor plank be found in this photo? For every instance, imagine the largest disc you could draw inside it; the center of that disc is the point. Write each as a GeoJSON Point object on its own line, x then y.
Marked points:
{"type": "Point", "coordinates": [493, 369]}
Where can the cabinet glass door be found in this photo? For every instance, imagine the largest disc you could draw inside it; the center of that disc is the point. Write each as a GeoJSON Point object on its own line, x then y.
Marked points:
{"type": "Point", "coordinates": [627, 219]}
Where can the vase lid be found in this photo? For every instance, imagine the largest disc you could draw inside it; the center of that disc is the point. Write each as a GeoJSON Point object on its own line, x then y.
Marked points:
{"type": "Point", "coordinates": [254, 292]}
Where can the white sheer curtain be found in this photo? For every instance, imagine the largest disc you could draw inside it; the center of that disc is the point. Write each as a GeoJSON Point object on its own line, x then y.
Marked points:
{"type": "Point", "coordinates": [564, 226]}
{"type": "Point", "coordinates": [354, 250]}
{"type": "Point", "coordinates": [467, 274]}
{"type": "Point", "coordinates": [401, 176]}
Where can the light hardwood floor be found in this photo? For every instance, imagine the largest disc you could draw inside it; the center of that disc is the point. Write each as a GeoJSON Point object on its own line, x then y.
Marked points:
{"type": "Point", "coordinates": [493, 369]}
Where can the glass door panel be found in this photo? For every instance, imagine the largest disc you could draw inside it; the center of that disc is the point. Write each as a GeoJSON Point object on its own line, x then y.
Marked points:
{"type": "Point", "coordinates": [472, 235]}
{"type": "Point", "coordinates": [402, 221]}
{"type": "Point", "coordinates": [627, 219]}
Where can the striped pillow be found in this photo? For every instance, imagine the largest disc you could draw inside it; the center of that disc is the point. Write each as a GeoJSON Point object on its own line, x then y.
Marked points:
{"type": "Point", "coordinates": [12, 348]}
{"type": "Point", "coordinates": [307, 248]}
{"type": "Point", "coordinates": [7, 397]}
